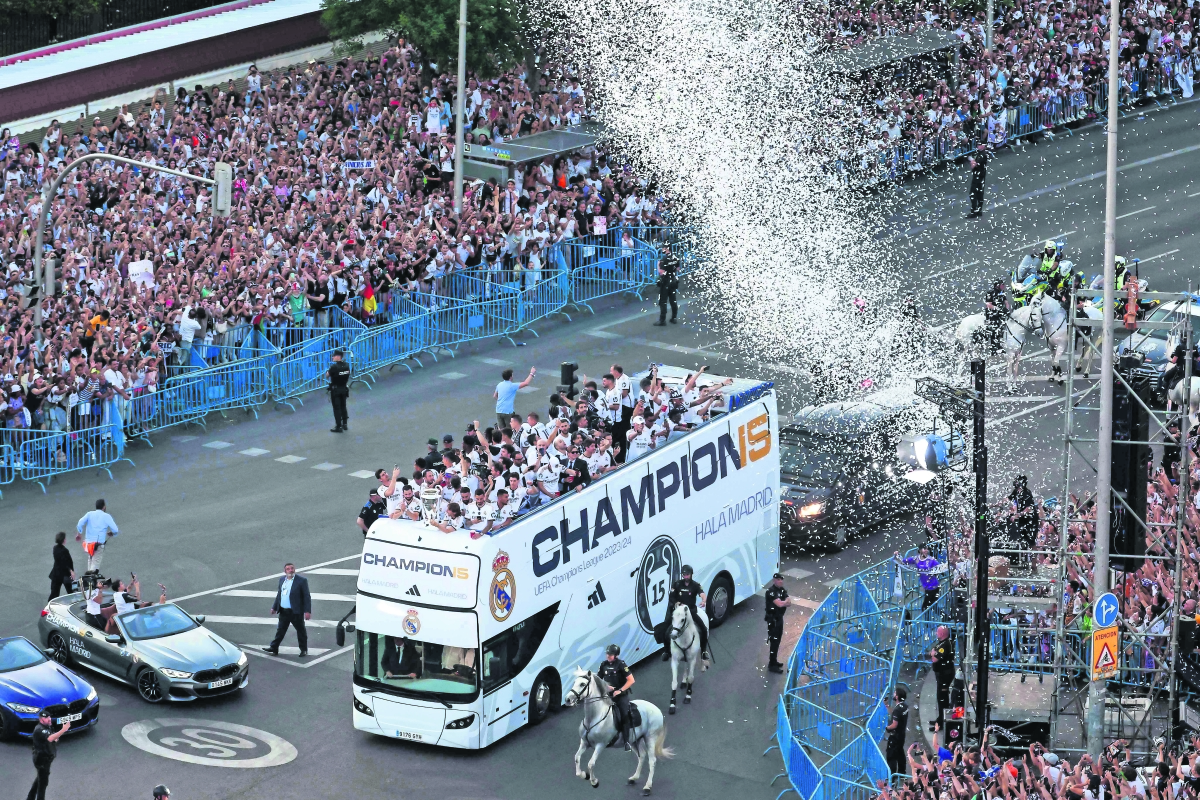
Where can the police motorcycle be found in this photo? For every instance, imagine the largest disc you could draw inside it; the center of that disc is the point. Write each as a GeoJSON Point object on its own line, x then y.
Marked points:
{"type": "Point", "coordinates": [1041, 271]}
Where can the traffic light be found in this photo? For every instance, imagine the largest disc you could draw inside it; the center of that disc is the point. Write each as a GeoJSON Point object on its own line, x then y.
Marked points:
{"type": "Point", "coordinates": [568, 380]}
{"type": "Point", "coordinates": [223, 191]}
{"type": "Point", "coordinates": [1131, 423]}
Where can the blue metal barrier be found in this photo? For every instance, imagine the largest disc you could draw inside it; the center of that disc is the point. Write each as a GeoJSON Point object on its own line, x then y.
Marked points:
{"type": "Point", "coordinates": [245, 366]}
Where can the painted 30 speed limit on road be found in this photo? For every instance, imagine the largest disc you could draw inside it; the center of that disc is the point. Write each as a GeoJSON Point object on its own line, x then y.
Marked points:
{"type": "Point", "coordinates": [208, 742]}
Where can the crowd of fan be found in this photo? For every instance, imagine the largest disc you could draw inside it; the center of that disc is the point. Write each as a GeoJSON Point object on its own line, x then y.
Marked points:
{"type": "Point", "coordinates": [145, 270]}
{"type": "Point", "coordinates": [1053, 55]}
{"type": "Point", "coordinates": [498, 473]}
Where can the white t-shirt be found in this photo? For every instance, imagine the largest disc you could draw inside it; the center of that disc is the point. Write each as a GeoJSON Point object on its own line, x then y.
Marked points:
{"type": "Point", "coordinates": [625, 385]}
{"type": "Point", "coordinates": [612, 404]}
{"type": "Point", "coordinates": [122, 604]}
{"type": "Point", "coordinates": [549, 472]}
{"type": "Point", "coordinates": [479, 517]}
{"type": "Point", "coordinates": [598, 462]}
{"type": "Point", "coordinates": [93, 601]}
{"type": "Point", "coordinates": [639, 443]}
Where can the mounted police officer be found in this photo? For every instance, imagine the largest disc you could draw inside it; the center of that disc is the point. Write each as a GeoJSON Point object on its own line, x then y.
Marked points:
{"type": "Point", "coordinates": [668, 283]}
{"type": "Point", "coordinates": [995, 309]}
{"type": "Point", "coordinates": [777, 605]}
{"type": "Point", "coordinates": [685, 590]}
{"type": "Point", "coordinates": [616, 674]}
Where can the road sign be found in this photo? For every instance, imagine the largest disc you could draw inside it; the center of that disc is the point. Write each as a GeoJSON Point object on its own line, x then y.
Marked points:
{"type": "Point", "coordinates": [1107, 608]}
{"type": "Point", "coordinates": [1106, 644]}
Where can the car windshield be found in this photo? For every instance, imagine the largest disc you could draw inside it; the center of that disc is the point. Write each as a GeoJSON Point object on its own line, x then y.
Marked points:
{"type": "Point", "coordinates": [156, 621]}
{"type": "Point", "coordinates": [18, 654]}
{"type": "Point", "coordinates": [412, 667]}
{"type": "Point", "coordinates": [817, 461]}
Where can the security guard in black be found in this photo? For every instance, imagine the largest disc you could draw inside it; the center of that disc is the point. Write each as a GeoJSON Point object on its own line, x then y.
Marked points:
{"type": "Point", "coordinates": [777, 605]}
{"type": "Point", "coordinates": [687, 591]}
{"type": "Point", "coordinates": [339, 390]}
{"type": "Point", "coordinates": [45, 748]}
{"type": "Point", "coordinates": [616, 674]}
{"type": "Point", "coordinates": [942, 658]}
{"type": "Point", "coordinates": [668, 283]}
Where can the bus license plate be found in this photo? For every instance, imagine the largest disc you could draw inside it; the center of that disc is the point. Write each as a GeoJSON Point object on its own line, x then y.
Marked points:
{"type": "Point", "coordinates": [416, 737]}
{"type": "Point", "coordinates": [219, 684]}
{"type": "Point", "coordinates": [69, 718]}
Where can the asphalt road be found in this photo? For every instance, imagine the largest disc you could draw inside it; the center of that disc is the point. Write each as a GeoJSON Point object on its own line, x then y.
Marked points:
{"type": "Point", "coordinates": [214, 513]}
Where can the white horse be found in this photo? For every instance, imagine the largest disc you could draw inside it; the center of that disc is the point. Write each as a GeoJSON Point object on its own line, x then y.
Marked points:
{"type": "Point", "coordinates": [599, 729]}
{"type": "Point", "coordinates": [1019, 323]}
{"type": "Point", "coordinates": [1057, 329]}
{"type": "Point", "coordinates": [685, 652]}
{"type": "Point", "coordinates": [1179, 393]}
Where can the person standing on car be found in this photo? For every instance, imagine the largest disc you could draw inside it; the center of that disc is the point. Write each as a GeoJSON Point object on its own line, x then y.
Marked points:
{"type": "Point", "coordinates": [95, 528]}
{"type": "Point", "coordinates": [63, 572]}
{"type": "Point", "coordinates": [45, 748]}
{"type": "Point", "coordinates": [293, 604]}
{"type": "Point", "coordinates": [777, 606]}
{"type": "Point", "coordinates": [339, 391]}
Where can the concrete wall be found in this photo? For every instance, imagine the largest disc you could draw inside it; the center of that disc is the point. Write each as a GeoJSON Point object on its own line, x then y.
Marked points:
{"type": "Point", "coordinates": [161, 66]}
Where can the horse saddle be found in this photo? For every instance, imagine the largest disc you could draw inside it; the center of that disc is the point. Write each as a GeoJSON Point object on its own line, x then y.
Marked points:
{"type": "Point", "coordinates": [635, 720]}
{"type": "Point", "coordinates": [662, 633]}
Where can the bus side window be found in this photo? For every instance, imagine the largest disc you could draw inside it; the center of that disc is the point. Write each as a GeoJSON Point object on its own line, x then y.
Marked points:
{"type": "Point", "coordinates": [505, 655]}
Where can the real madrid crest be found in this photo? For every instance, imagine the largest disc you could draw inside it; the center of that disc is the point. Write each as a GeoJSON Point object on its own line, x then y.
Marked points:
{"type": "Point", "coordinates": [503, 594]}
{"type": "Point", "coordinates": [412, 624]}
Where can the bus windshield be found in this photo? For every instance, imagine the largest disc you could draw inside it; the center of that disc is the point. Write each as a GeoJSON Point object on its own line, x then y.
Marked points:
{"type": "Point", "coordinates": [414, 668]}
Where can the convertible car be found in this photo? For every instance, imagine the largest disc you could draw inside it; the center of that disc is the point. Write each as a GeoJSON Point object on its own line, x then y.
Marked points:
{"type": "Point", "coordinates": [160, 650]}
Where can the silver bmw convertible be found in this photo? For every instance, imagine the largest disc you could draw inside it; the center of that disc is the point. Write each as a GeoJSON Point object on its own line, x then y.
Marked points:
{"type": "Point", "coordinates": [161, 650]}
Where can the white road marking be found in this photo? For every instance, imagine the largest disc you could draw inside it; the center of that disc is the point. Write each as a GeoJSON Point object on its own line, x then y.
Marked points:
{"type": "Point", "coordinates": [332, 571]}
{"type": "Point", "coordinates": [1197, 194]}
{"type": "Point", "coordinates": [949, 271]}
{"type": "Point", "coordinates": [1027, 412]}
{"type": "Point", "coordinates": [603, 334]}
{"type": "Point", "coordinates": [496, 362]}
{"type": "Point", "coordinates": [284, 650]}
{"type": "Point", "coordinates": [362, 473]}
{"type": "Point", "coordinates": [327, 467]}
{"type": "Point", "coordinates": [1160, 255]}
{"type": "Point", "coordinates": [1042, 241]}
{"type": "Point", "coordinates": [835, 583]}
{"type": "Point", "coordinates": [1026, 399]}
{"type": "Point", "coordinates": [254, 451]}
{"type": "Point", "coordinates": [196, 735]}
{"type": "Point", "coordinates": [216, 445]}
{"type": "Point", "coordinates": [183, 438]}
{"type": "Point", "coordinates": [272, 576]}
{"type": "Point", "coordinates": [325, 657]}
{"type": "Point", "coordinates": [349, 598]}
{"type": "Point", "coordinates": [529, 390]}
{"type": "Point", "coordinates": [291, 459]}
{"type": "Point", "coordinates": [452, 376]}
{"type": "Point", "coordinates": [1139, 211]}
{"type": "Point", "coordinates": [797, 573]}
{"type": "Point", "coordinates": [272, 621]}
{"type": "Point", "coordinates": [805, 603]}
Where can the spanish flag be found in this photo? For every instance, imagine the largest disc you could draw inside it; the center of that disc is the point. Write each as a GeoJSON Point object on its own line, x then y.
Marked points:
{"type": "Point", "coordinates": [369, 304]}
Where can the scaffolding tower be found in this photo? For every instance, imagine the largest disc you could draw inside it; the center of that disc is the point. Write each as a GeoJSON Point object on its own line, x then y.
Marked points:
{"type": "Point", "coordinates": [1047, 630]}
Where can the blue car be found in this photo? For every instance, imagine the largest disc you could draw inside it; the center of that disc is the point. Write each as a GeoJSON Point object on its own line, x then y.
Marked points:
{"type": "Point", "coordinates": [29, 681]}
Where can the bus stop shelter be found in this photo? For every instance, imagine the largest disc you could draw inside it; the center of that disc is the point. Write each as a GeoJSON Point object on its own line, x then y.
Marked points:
{"type": "Point", "coordinates": [904, 60]}
{"type": "Point", "coordinates": [503, 161]}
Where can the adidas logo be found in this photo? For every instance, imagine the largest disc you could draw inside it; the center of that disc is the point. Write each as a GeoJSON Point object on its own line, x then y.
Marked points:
{"type": "Point", "coordinates": [597, 597]}
{"type": "Point", "coordinates": [414, 591]}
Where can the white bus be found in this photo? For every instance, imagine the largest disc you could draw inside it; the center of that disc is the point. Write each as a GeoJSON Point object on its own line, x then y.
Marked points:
{"type": "Point", "coordinates": [458, 642]}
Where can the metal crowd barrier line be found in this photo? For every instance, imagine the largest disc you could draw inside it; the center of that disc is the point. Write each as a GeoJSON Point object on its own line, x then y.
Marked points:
{"type": "Point", "coordinates": [388, 346]}
{"type": "Point", "coordinates": [44, 454]}
{"type": "Point", "coordinates": [302, 373]}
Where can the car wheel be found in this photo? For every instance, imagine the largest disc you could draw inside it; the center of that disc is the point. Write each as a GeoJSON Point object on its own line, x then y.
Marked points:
{"type": "Point", "coordinates": [148, 686]}
{"type": "Point", "coordinates": [839, 538]}
{"type": "Point", "coordinates": [8, 726]}
{"type": "Point", "coordinates": [58, 649]}
{"type": "Point", "coordinates": [719, 601]}
{"type": "Point", "coordinates": [544, 697]}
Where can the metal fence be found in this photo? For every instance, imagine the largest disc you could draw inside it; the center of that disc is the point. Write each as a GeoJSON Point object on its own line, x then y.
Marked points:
{"type": "Point", "coordinates": [245, 368]}
{"type": "Point", "coordinates": [872, 167]}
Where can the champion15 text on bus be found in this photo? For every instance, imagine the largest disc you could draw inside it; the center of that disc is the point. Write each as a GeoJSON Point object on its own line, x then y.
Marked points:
{"type": "Point", "coordinates": [459, 641]}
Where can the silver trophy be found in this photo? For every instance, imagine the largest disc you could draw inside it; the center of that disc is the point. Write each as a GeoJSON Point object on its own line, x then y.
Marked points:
{"type": "Point", "coordinates": [431, 496]}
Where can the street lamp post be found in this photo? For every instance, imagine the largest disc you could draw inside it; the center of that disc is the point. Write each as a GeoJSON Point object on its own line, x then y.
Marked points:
{"type": "Point", "coordinates": [1096, 691]}
{"type": "Point", "coordinates": [460, 105]}
{"type": "Point", "coordinates": [221, 207]}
